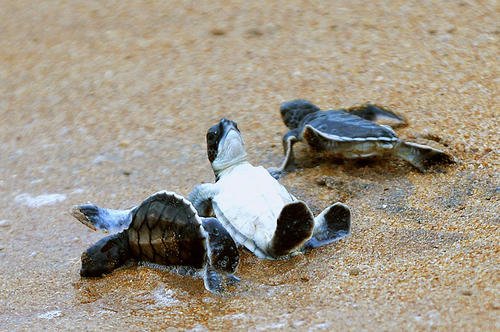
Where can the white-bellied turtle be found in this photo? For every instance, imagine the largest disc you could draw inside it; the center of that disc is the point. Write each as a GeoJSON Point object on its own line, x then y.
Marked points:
{"type": "Point", "coordinates": [255, 208]}
{"type": "Point", "coordinates": [351, 133]}
{"type": "Point", "coordinates": [163, 230]}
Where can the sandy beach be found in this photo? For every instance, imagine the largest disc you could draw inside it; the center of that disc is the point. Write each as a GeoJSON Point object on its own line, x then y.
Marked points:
{"type": "Point", "coordinates": [110, 101]}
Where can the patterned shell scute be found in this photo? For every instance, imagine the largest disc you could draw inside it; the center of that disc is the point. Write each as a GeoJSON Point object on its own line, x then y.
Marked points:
{"type": "Point", "coordinates": [167, 232]}
{"type": "Point", "coordinates": [343, 126]}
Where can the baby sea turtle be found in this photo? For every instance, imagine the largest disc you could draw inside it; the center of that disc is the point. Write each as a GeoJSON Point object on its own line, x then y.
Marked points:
{"type": "Point", "coordinates": [255, 208]}
{"type": "Point", "coordinates": [351, 133]}
{"type": "Point", "coordinates": [164, 230]}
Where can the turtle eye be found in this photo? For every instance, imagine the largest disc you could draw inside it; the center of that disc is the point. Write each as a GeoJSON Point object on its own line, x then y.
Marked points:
{"type": "Point", "coordinates": [211, 136]}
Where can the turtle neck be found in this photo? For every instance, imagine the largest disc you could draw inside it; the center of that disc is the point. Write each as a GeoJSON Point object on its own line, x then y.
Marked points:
{"type": "Point", "coordinates": [221, 169]}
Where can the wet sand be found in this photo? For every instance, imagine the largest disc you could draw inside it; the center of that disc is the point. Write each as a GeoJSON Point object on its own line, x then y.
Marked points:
{"type": "Point", "coordinates": [109, 102]}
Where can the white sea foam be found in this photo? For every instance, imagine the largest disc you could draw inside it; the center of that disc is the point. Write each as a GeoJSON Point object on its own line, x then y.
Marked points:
{"type": "Point", "coordinates": [164, 298]}
{"type": "Point", "coordinates": [37, 201]}
{"type": "Point", "coordinates": [50, 314]}
{"type": "Point", "coordinates": [236, 316]}
{"type": "Point", "coordinates": [271, 326]}
{"type": "Point", "coordinates": [321, 326]}
{"type": "Point", "coordinates": [77, 191]}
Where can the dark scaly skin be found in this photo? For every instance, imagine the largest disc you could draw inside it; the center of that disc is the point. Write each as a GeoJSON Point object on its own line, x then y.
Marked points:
{"type": "Point", "coordinates": [214, 135]}
{"type": "Point", "coordinates": [166, 234]}
{"type": "Point", "coordinates": [223, 249]}
{"type": "Point", "coordinates": [337, 225]}
{"type": "Point", "coordinates": [106, 255]}
{"type": "Point", "coordinates": [375, 112]}
{"type": "Point", "coordinates": [295, 225]}
{"type": "Point", "coordinates": [294, 111]}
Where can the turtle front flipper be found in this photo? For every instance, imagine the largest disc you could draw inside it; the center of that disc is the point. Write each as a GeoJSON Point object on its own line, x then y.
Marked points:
{"type": "Point", "coordinates": [377, 113]}
{"type": "Point", "coordinates": [421, 156]}
{"type": "Point", "coordinates": [289, 139]}
{"type": "Point", "coordinates": [295, 226]}
{"type": "Point", "coordinates": [213, 280]}
{"type": "Point", "coordinates": [98, 218]}
{"type": "Point", "coordinates": [223, 256]}
{"type": "Point", "coordinates": [331, 225]}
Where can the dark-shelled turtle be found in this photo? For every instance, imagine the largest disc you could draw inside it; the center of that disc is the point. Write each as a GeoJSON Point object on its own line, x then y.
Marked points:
{"type": "Point", "coordinates": [351, 133]}
{"type": "Point", "coordinates": [163, 230]}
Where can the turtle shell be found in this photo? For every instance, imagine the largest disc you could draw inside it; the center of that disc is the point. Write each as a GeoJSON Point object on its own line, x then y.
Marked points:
{"type": "Point", "coordinates": [166, 230]}
{"type": "Point", "coordinates": [345, 127]}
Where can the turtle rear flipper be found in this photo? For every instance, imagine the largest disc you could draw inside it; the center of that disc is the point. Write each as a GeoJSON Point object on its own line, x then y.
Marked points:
{"type": "Point", "coordinates": [103, 219]}
{"type": "Point", "coordinates": [331, 225]}
{"type": "Point", "coordinates": [421, 156]}
{"type": "Point", "coordinates": [222, 251]}
{"type": "Point", "coordinates": [222, 257]}
{"type": "Point", "coordinates": [295, 225]}
{"type": "Point", "coordinates": [378, 113]}
{"type": "Point", "coordinates": [106, 255]}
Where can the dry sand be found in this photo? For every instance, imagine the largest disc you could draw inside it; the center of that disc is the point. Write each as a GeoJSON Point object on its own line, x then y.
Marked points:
{"type": "Point", "coordinates": [110, 101]}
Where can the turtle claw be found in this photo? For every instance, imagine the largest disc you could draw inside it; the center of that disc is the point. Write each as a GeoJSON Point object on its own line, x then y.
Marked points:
{"type": "Point", "coordinates": [231, 279]}
{"type": "Point", "coordinates": [276, 172]}
{"type": "Point", "coordinates": [213, 281]}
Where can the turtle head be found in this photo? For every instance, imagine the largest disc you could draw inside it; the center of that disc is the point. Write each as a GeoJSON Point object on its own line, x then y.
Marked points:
{"type": "Point", "coordinates": [225, 145]}
{"type": "Point", "coordinates": [106, 255]}
{"type": "Point", "coordinates": [222, 250]}
{"type": "Point", "coordinates": [294, 111]}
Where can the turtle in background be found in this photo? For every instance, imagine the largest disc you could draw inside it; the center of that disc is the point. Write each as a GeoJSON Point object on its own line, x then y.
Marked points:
{"type": "Point", "coordinates": [258, 212]}
{"type": "Point", "coordinates": [163, 231]}
{"type": "Point", "coordinates": [351, 133]}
